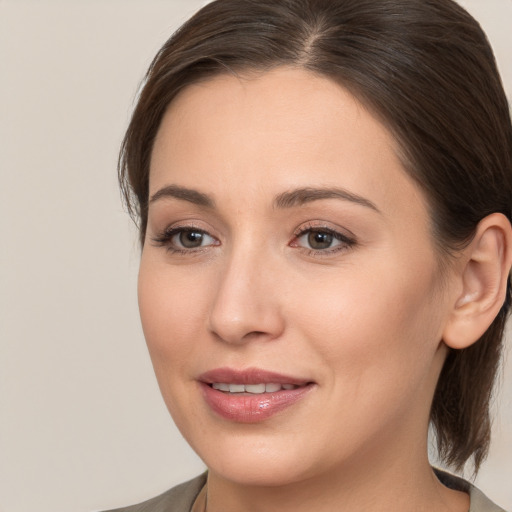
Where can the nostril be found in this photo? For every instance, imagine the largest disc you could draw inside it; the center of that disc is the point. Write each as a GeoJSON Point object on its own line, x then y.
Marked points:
{"type": "Point", "coordinates": [255, 333]}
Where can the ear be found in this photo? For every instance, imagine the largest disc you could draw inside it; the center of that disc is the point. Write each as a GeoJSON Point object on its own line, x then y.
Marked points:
{"type": "Point", "coordinates": [482, 282]}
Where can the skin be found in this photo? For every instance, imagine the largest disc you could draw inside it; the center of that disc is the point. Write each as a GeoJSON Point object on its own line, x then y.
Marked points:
{"type": "Point", "coordinates": [363, 320]}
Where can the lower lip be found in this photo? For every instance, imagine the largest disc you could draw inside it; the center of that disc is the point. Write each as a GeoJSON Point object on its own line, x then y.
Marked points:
{"type": "Point", "coordinates": [252, 408]}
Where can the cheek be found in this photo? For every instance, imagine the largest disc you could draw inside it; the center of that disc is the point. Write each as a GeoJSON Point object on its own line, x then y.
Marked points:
{"type": "Point", "coordinates": [385, 322]}
{"type": "Point", "coordinates": [172, 310]}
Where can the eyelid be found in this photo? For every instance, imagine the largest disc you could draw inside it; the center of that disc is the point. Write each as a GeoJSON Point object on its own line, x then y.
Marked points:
{"type": "Point", "coordinates": [325, 226]}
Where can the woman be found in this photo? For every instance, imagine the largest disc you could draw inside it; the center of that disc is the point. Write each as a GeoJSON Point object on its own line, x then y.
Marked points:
{"type": "Point", "coordinates": [324, 195]}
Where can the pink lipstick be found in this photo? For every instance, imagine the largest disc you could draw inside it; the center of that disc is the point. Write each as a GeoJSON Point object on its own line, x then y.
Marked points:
{"type": "Point", "coordinates": [251, 395]}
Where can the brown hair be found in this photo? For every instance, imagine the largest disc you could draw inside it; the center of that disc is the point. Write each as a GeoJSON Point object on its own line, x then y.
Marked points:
{"type": "Point", "coordinates": [426, 69]}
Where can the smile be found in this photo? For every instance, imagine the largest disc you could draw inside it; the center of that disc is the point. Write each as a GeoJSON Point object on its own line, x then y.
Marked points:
{"type": "Point", "coordinates": [251, 395]}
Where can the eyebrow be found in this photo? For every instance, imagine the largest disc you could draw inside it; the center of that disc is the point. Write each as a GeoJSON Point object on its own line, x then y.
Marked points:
{"type": "Point", "coordinates": [185, 194]}
{"type": "Point", "coordinates": [301, 196]}
{"type": "Point", "coordinates": [289, 199]}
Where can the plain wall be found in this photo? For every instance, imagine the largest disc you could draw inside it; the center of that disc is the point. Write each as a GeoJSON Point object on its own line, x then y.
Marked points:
{"type": "Point", "coordinates": [82, 424]}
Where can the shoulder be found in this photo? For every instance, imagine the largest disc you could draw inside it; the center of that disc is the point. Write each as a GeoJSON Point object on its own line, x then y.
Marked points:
{"type": "Point", "coordinates": [478, 500]}
{"type": "Point", "coordinates": [177, 499]}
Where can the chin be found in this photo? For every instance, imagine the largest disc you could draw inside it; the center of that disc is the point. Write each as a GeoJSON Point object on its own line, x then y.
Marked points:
{"type": "Point", "coordinates": [257, 471]}
{"type": "Point", "coordinates": [264, 460]}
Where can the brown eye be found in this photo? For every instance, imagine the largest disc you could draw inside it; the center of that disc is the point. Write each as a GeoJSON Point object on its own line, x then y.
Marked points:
{"type": "Point", "coordinates": [319, 240]}
{"type": "Point", "coordinates": [190, 239]}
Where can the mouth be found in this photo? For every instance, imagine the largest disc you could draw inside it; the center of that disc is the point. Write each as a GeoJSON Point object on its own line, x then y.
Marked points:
{"type": "Point", "coordinates": [251, 395]}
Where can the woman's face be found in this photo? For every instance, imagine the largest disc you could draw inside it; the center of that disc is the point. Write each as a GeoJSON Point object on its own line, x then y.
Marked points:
{"type": "Point", "coordinates": [289, 288]}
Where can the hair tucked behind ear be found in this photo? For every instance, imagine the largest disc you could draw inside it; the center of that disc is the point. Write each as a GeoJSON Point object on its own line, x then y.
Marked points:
{"type": "Point", "coordinates": [426, 69]}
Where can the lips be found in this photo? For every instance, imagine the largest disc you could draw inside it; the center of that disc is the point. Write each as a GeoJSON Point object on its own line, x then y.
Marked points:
{"type": "Point", "coordinates": [251, 395]}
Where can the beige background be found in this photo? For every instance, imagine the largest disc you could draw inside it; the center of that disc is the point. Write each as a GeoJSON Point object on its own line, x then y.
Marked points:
{"type": "Point", "coordinates": [82, 424]}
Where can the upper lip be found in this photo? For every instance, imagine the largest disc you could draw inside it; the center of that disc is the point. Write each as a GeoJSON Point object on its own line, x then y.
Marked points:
{"type": "Point", "coordinates": [249, 376]}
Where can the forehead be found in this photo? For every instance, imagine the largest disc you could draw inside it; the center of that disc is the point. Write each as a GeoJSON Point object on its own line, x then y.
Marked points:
{"type": "Point", "coordinates": [279, 129]}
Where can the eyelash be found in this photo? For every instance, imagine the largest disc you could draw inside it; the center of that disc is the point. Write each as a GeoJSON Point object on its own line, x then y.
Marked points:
{"type": "Point", "coordinates": [164, 239]}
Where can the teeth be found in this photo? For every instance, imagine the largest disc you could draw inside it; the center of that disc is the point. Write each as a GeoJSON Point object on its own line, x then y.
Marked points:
{"type": "Point", "coordinates": [252, 388]}
{"type": "Point", "coordinates": [255, 388]}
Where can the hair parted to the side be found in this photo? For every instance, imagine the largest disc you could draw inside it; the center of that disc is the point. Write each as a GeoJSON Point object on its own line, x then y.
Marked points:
{"type": "Point", "coordinates": [426, 69]}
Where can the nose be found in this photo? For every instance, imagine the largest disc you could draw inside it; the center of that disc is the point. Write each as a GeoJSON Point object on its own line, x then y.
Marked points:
{"type": "Point", "coordinates": [246, 303]}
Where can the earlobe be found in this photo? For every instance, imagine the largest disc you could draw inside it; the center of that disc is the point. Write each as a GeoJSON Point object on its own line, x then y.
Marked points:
{"type": "Point", "coordinates": [482, 282]}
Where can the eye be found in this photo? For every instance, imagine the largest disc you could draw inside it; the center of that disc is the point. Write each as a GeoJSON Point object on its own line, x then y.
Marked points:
{"type": "Point", "coordinates": [184, 239]}
{"type": "Point", "coordinates": [322, 240]}
{"type": "Point", "coordinates": [191, 238]}
{"type": "Point", "coordinates": [319, 240]}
